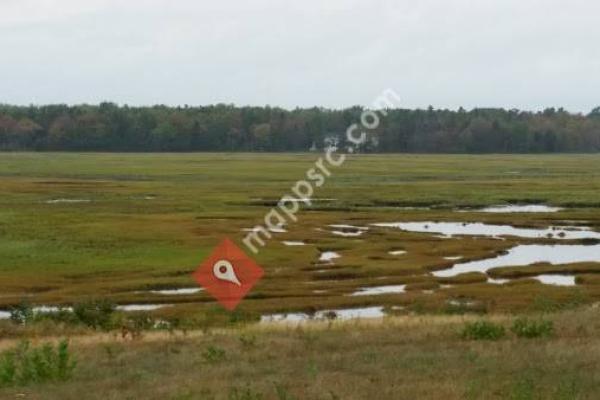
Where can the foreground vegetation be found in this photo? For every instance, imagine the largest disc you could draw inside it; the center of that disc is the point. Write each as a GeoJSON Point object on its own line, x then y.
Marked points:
{"type": "Point", "coordinates": [399, 357]}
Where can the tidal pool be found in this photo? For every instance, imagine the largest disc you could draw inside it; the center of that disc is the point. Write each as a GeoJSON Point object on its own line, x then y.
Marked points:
{"type": "Point", "coordinates": [329, 256]}
{"type": "Point", "coordinates": [142, 307]}
{"type": "Point", "coordinates": [68, 201]}
{"type": "Point", "coordinates": [172, 292]}
{"type": "Point", "coordinates": [348, 230]}
{"type": "Point", "coordinates": [557, 280]}
{"type": "Point", "coordinates": [343, 314]}
{"type": "Point", "coordinates": [498, 281]}
{"type": "Point", "coordinates": [371, 291]}
{"type": "Point", "coordinates": [450, 229]}
{"type": "Point", "coordinates": [524, 208]}
{"type": "Point", "coordinates": [524, 255]}
{"type": "Point", "coordinates": [127, 307]}
{"type": "Point", "coordinates": [293, 243]}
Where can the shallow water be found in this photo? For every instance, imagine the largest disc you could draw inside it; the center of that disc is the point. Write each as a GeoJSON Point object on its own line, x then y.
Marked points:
{"type": "Point", "coordinates": [377, 290]}
{"type": "Point", "coordinates": [480, 229]}
{"type": "Point", "coordinates": [348, 230]}
{"type": "Point", "coordinates": [307, 200]}
{"type": "Point", "coordinates": [171, 292]}
{"type": "Point", "coordinates": [343, 314]}
{"type": "Point", "coordinates": [558, 280]}
{"type": "Point", "coordinates": [50, 309]}
{"type": "Point", "coordinates": [352, 227]}
{"type": "Point", "coordinates": [526, 208]}
{"type": "Point", "coordinates": [329, 256]}
{"type": "Point", "coordinates": [498, 281]}
{"type": "Point", "coordinates": [348, 234]}
{"type": "Point", "coordinates": [527, 255]}
{"type": "Point", "coordinates": [67, 201]}
{"type": "Point", "coordinates": [142, 307]}
{"type": "Point", "coordinates": [127, 307]}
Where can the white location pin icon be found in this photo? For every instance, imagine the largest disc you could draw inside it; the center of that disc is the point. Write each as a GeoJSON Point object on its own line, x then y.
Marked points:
{"type": "Point", "coordinates": [223, 270]}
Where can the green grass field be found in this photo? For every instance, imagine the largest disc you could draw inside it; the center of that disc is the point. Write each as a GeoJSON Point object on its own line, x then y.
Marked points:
{"type": "Point", "coordinates": [76, 227]}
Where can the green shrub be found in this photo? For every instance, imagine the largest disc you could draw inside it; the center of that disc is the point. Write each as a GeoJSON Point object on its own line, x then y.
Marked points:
{"type": "Point", "coordinates": [525, 328]}
{"type": "Point", "coordinates": [213, 354]}
{"type": "Point", "coordinates": [96, 314]}
{"type": "Point", "coordinates": [282, 392]}
{"type": "Point", "coordinates": [62, 315]}
{"type": "Point", "coordinates": [22, 314]}
{"type": "Point", "coordinates": [244, 394]}
{"type": "Point", "coordinates": [523, 389]}
{"type": "Point", "coordinates": [25, 364]}
{"type": "Point", "coordinates": [483, 330]}
{"type": "Point", "coordinates": [248, 341]}
{"type": "Point", "coordinates": [141, 321]}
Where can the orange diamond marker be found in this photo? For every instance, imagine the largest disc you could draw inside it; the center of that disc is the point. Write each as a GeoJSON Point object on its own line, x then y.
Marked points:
{"type": "Point", "coordinates": [228, 274]}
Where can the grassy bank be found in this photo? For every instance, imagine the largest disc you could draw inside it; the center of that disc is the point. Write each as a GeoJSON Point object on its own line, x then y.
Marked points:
{"type": "Point", "coordinates": [401, 357]}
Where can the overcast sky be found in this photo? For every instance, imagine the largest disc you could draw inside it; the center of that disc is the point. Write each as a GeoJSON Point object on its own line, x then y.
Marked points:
{"type": "Point", "coordinates": [527, 54]}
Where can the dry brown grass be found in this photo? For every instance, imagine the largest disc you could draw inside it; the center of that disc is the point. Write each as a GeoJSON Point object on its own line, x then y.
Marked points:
{"type": "Point", "coordinates": [412, 357]}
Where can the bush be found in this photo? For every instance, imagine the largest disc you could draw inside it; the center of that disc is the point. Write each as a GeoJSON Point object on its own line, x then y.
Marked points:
{"type": "Point", "coordinates": [248, 341]}
{"type": "Point", "coordinates": [244, 394]}
{"type": "Point", "coordinates": [213, 354]}
{"type": "Point", "coordinates": [26, 364]}
{"type": "Point", "coordinates": [483, 330]}
{"type": "Point", "coordinates": [95, 314]}
{"type": "Point", "coordinates": [525, 328]}
{"type": "Point", "coordinates": [22, 314]}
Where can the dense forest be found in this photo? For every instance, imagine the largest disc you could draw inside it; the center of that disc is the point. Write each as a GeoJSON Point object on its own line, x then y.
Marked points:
{"type": "Point", "coordinates": [109, 127]}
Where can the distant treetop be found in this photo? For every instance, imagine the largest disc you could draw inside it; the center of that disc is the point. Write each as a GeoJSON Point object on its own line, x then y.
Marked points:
{"type": "Point", "coordinates": [108, 127]}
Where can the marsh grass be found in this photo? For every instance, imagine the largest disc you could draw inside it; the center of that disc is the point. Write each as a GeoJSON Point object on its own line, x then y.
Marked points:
{"type": "Point", "coordinates": [151, 227]}
{"type": "Point", "coordinates": [26, 364]}
{"type": "Point", "coordinates": [527, 328]}
{"type": "Point", "coordinates": [483, 330]}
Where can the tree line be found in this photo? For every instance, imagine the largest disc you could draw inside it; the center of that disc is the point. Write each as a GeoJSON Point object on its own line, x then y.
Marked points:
{"type": "Point", "coordinates": [222, 127]}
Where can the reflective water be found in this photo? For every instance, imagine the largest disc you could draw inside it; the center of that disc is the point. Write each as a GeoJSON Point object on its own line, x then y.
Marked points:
{"type": "Point", "coordinates": [530, 208]}
{"type": "Point", "coordinates": [343, 314]}
{"type": "Point", "coordinates": [171, 292]}
{"type": "Point", "coordinates": [67, 201]}
{"type": "Point", "coordinates": [371, 291]}
{"type": "Point", "coordinates": [128, 307]}
{"type": "Point", "coordinates": [348, 230]}
{"type": "Point", "coordinates": [329, 256]}
{"type": "Point", "coordinates": [498, 281]}
{"type": "Point", "coordinates": [527, 255]}
{"type": "Point", "coordinates": [558, 280]}
{"type": "Point", "coordinates": [481, 229]}
{"type": "Point", "coordinates": [142, 307]}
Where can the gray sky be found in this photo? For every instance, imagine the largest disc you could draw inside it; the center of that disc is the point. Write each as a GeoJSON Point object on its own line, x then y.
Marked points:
{"type": "Point", "coordinates": [527, 54]}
